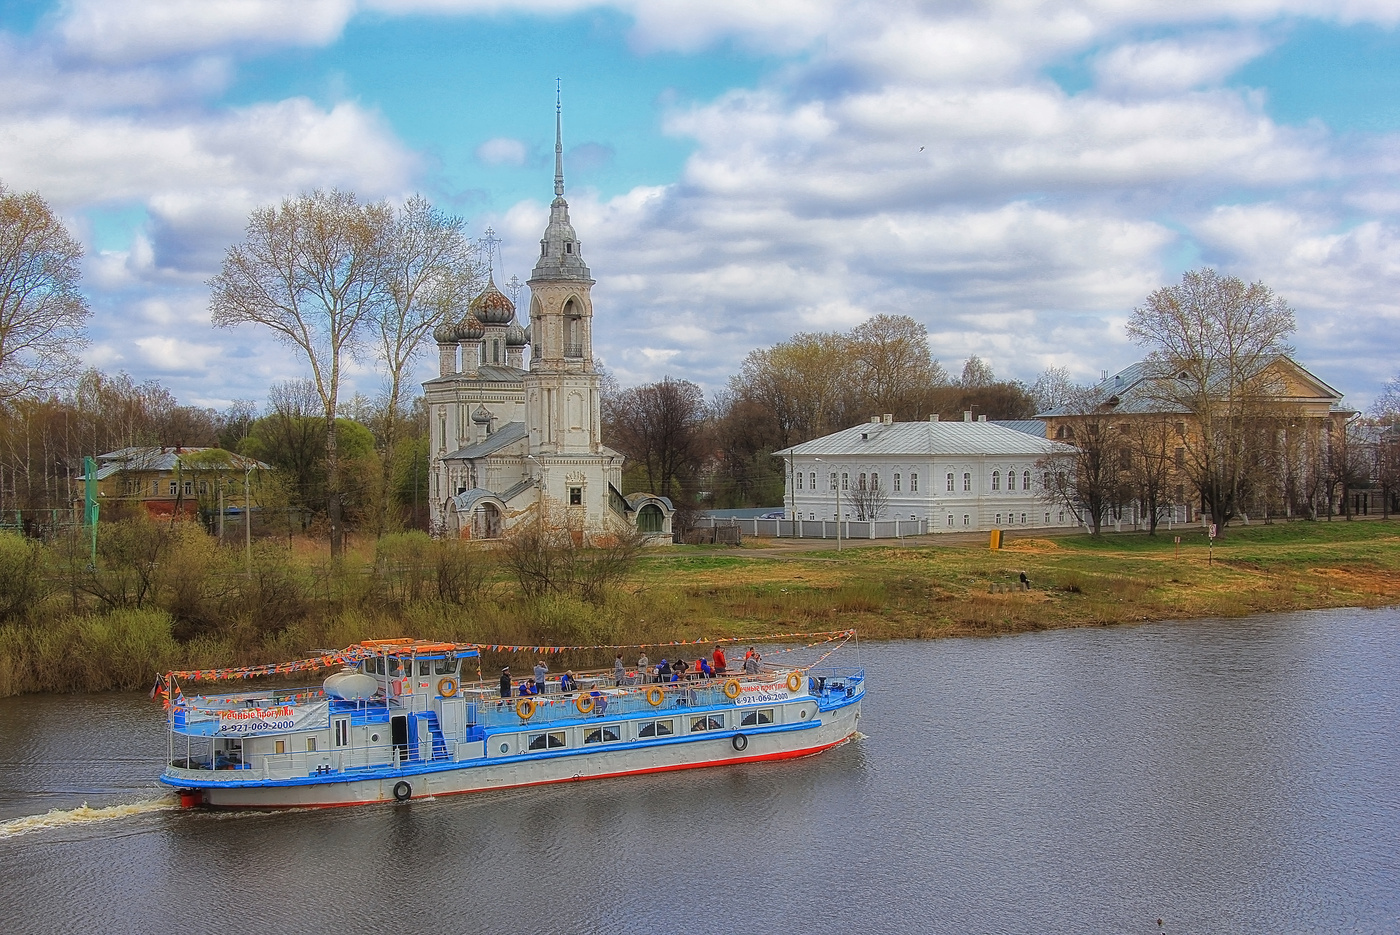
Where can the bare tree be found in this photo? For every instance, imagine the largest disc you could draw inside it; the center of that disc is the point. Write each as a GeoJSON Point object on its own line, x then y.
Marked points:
{"type": "Point", "coordinates": [1212, 339]}
{"type": "Point", "coordinates": [804, 383]}
{"type": "Point", "coordinates": [547, 556]}
{"type": "Point", "coordinates": [977, 373]}
{"type": "Point", "coordinates": [1088, 479]}
{"type": "Point", "coordinates": [431, 273]}
{"type": "Point", "coordinates": [312, 271]}
{"type": "Point", "coordinates": [42, 314]}
{"type": "Point", "coordinates": [661, 426]}
{"type": "Point", "coordinates": [868, 499]}
{"type": "Point", "coordinates": [895, 371]}
{"type": "Point", "coordinates": [1054, 387]}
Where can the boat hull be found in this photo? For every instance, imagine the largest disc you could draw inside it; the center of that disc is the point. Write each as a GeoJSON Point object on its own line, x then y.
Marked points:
{"type": "Point", "coordinates": [833, 727]}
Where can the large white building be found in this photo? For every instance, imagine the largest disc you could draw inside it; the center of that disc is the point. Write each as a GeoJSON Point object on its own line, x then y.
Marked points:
{"type": "Point", "coordinates": [955, 476]}
{"type": "Point", "coordinates": [509, 443]}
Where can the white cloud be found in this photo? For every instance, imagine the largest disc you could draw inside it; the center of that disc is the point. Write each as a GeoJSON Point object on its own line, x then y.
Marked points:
{"type": "Point", "coordinates": [502, 151]}
{"type": "Point", "coordinates": [1172, 65]}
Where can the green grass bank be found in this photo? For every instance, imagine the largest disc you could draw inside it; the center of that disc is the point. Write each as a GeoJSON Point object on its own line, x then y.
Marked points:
{"type": "Point", "coordinates": [182, 602]}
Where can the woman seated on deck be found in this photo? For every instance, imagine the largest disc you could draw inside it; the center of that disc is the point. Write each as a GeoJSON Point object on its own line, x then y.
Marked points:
{"type": "Point", "coordinates": [567, 682]}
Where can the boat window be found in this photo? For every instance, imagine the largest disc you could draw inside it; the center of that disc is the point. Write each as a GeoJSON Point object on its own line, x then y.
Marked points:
{"type": "Point", "coordinates": [755, 718]}
{"type": "Point", "coordinates": [606, 733]}
{"type": "Point", "coordinates": [549, 740]}
{"type": "Point", "coordinates": [445, 667]}
{"type": "Point", "coordinates": [395, 666]}
{"type": "Point", "coordinates": [281, 746]}
{"type": "Point", "coordinates": [425, 667]}
{"type": "Point", "coordinates": [706, 722]}
{"type": "Point", "coordinates": [657, 729]}
{"type": "Point", "coordinates": [342, 732]}
{"type": "Point", "coordinates": [310, 744]}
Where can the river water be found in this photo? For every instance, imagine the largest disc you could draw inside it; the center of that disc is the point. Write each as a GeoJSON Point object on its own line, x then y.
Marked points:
{"type": "Point", "coordinates": [1221, 776]}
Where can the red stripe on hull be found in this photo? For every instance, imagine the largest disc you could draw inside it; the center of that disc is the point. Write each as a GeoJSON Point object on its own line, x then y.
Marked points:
{"type": "Point", "coordinates": [728, 761]}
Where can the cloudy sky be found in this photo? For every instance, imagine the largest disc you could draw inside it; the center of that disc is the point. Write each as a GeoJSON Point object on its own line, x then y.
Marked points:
{"type": "Point", "coordinates": [1016, 175]}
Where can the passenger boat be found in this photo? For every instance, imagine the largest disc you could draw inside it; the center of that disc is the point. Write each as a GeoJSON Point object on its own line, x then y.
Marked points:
{"type": "Point", "coordinates": [399, 721]}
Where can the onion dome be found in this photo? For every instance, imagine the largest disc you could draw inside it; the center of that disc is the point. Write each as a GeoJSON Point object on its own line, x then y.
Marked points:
{"type": "Point", "coordinates": [482, 416]}
{"type": "Point", "coordinates": [529, 334]}
{"type": "Point", "coordinates": [445, 333]}
{"type": "Point", "coordinates": [470, 329]}
{"type": "Point", "coordinates": [516, 336]}
{"type": "Point", "coordinates": [492, 307]}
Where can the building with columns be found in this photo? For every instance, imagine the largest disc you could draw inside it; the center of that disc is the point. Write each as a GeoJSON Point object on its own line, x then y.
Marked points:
{"type": "Point", "coordinates": [512, 441]}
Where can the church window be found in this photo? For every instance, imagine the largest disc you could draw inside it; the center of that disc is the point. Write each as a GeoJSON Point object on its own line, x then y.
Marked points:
{"type": "Point", "coordinates": [575, 496]}
{"type": "Point", "coordinates": [845, 481]}
{"type": "Point", "coordinates": [913, 483]}
{"type": "Point", "coordinates": [442, 429]}
{"type": "Point", "coordinates": [568, 246]}
{"type": "Point", "coordinates": [896, 481]}
{"type": "Point", "coordinates": [950, 483]}
{"type": "Point", "coordinates": [967, 483]}
{"type": "Point", "coordinates": [996, 480]}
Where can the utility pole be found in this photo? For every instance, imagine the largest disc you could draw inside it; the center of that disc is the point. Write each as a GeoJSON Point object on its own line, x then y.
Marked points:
{"type": "Point", "coordinates": [248, 522]}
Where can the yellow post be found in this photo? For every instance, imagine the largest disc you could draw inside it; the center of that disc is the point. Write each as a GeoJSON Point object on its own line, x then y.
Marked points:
{"type": "Point", "coordinates": [996, 539]}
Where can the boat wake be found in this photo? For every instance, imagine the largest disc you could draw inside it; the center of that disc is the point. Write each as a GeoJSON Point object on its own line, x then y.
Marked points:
{"type": "Point", "coordinates": [82, 815]}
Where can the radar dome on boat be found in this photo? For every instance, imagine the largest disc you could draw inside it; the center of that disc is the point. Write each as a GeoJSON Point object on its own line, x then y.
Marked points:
{"type": "Point", "coordinates": [350, 685]}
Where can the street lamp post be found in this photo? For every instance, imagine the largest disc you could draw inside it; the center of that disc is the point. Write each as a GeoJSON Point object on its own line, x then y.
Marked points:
{"type": "Point", "coordinates": [836, 491]}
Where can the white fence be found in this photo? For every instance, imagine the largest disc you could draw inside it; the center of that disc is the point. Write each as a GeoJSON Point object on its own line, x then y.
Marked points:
{"type": "Point", "coordinates": [818, 528]}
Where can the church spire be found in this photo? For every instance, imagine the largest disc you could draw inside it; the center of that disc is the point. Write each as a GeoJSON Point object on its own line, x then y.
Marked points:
{"type": "Point", "coordinates": [558, 139]}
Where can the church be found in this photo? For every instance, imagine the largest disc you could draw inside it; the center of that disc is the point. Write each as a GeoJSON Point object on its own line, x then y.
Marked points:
{"type": "Point", "coordinates": [512, 442]}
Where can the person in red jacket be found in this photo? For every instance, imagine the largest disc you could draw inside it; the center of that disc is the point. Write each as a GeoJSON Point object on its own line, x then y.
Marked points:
{"type": "Point", "coordinates": [720, 666]}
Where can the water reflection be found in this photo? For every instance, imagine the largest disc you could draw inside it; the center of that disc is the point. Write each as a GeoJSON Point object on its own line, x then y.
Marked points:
{"type": "Point", "coordinates": [1237, 776]}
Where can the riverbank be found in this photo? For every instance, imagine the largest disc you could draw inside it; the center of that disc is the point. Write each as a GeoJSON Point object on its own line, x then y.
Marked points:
{"type": "Point", "coordinates": [918, 590]}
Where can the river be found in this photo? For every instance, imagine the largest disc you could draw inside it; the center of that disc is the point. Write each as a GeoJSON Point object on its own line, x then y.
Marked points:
{"type": "Point", "coordinates": [1221, 776]}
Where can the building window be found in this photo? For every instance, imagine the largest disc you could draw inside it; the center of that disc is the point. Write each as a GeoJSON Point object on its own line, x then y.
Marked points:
{"type": "Point", "coordinates": [998, 519]}
{"type": "Point", "coordinates": [155, 488]}
{"type": "Point", "coordinates": [967, 520]}
{"type": "Point", "coordinates": [996, 480]}
{"type": "Point", "coordinates": [874, 481]}
{"type": "Point", "coordinates": [833, 481]}
{"type": "Point", "coordinates": [845, 481]}
{"type": "Point", "coordinates": [1047, 519]}
{"type": "Point", "coordinates": [811, 516]}
{"type": "Point", "coordinates": [967, 483]}
{"type": "Point", "coordinates": [862, 480]}
{"type": "Point", "coordinates": [950, 483]}
{"type": "Point", "coordinates": [575, 496]}
{"type": "Point", "coordinates": [799, 480]}
{"type": "Point", "coordinates": [1010, 480]}
{"type": "Point", "coordinates": [950, 521]}
{"type": "Point", "coordinates": [1025, 480]}
{"type": "Point", "coordinates": [896, 483]}
{"type": "Point", "coordinates": [1062, 516]}
{"type": "Point", "coordinates": [913, 483]}
{"type": "Point", "coordinates": [1181, 457]}
{"type": "Point", "coordinates": [189, 487]}
{"type": "Point", "coordinates": [174, 488]}
{"type": "Point", "coordinates": [1023, 519]}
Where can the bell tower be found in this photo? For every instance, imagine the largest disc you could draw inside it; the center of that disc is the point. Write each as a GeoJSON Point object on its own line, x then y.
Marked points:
{"type": "Point", "coordinates": [561, 388]}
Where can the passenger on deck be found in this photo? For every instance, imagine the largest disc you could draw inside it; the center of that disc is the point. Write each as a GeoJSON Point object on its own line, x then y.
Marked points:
{"type": "Point", "coordinates": [619, 670]}
{"type": "Point", "coordinates": [540, 670]}
{"type": "Point", "coordinates": [663, 671]}
{"type": "Point", "coordinates": [678, 668]}
{"type": "Point", "coordinates": [568, 682]}
{"type": "Point", "coordinates": [751, 664]}
{"type": "Point", "coordinates": [721, 665]}
{"type": "Point", "coordinates": [703, 665]}
{"type": "Point", "coordinates": [642, 663]}
{"type": "Point", "coordinates": [527, 688]}
{"type": "Point", "coordinates": [505, 685]}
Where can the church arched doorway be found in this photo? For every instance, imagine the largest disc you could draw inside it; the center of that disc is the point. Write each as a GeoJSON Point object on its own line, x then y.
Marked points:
{"type": "Point", "coordinates": [486, 522]}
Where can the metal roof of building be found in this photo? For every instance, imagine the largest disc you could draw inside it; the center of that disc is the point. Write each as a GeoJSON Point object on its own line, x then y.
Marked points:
{"type": "Point", "coordinates": [1029, 426]}
{"type": "Point", "coordinates": [505, 435]}
{"type": "Point", "coordinates": [486, 373]}
{"type": "Point", "coordinates": [927, 439]}
{"type": "Point", "coordinates": [158, 459]}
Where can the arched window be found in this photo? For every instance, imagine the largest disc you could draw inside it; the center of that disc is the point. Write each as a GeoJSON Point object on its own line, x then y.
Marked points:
{"type": "Point", "coordinates": [812, 480]}
{"type": "Point", "coordinates": [913, 483]}
{"type": "Point", "coordinates": [967, 483]}
{"type": "Point", "coordinates": [650, 519]}
{"type": "Point", "coordinates": [862, 480]}
{"type": "Point", "coordinates": [833, 480]}
{"type": "Point", "coordinates": [996, 481]}
{"type": "Point", "coordinates": [967, 520]}
{"type": "Point", "coordinates": [1025, 480]}
{"type": "Point", "coordinates": [950, 483]}
{"type": "Point", "coordinates": [799, 480]}
{"type": "Point", "coordinates": [1010, 480]}
{"type": "Point", "coordinates": [896, 482]}
{"type": "Point", "coordinates": [874, 481]}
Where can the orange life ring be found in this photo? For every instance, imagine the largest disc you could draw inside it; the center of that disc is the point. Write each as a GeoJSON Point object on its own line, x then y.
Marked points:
{"type": "Point", "coordinates": [447, 687]}
{"type": "Point", "coordinates": [794, 681]}
{"type": "Point", "coordinates": [584, 703]}
{"type": "Point", "coordinates": [655, 696]}
{"type": "Point", "coordinates": [525, 707]}
{"type": "Point", "coordinates": [732, 689]}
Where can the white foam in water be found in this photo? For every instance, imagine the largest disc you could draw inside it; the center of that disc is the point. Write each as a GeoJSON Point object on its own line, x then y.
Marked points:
{"type": "Point", "coordinates": [83, 814]}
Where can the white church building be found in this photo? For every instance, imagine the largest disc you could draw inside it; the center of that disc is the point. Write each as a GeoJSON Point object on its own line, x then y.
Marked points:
{"type": "Point", "coordinates": [511, 440]}
{"type": "Point", "coordinates": [938, 476]}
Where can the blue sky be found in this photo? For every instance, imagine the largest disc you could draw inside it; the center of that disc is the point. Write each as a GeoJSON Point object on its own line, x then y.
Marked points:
{"type": "Point", "coordinates": [738, 171]}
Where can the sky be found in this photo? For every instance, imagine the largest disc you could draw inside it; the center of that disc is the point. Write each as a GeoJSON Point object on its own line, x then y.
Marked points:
{"type": "Point", "coordinates": [1016, 175]}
